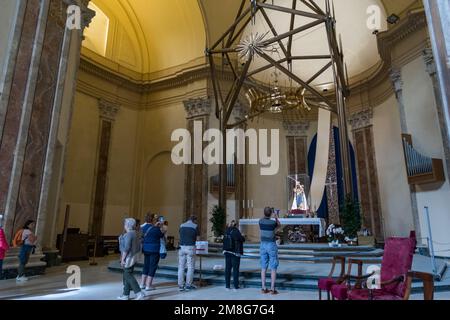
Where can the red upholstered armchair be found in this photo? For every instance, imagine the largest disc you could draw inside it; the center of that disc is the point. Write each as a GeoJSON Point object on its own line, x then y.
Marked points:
{"type": "Point", "coordinates": [395, 269]}
{"type": "Point", "coordinates": [328, 284]}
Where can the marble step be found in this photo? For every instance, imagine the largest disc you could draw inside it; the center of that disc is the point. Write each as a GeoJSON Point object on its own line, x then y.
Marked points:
{"type": "Point", "coordinates": [35, 265]}
{"type": "Point", "coordinates": [283, 283]}
{"type": "Point", "coordinates": [311, 259]}
{"type": "Point", "coordinates": [305, 247]}
{"type": "Point", "coordinates": [286, 252]}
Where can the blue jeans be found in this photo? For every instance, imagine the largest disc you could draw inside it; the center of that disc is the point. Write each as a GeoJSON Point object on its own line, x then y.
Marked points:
{"type": "Point", "coordinates": [232, 262]}
{"type": "Point", "coordinates": [269, 256]}
{"type": "Point", "coordinates": [1, 269]}
{"type": "Point", "coordinates": [24, 256]}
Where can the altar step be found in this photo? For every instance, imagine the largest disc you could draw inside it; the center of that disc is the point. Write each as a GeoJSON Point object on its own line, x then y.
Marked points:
{"type": "Point", "coordinates": [292, 282]}
{"type": "Point", "coordinates": [313, 253]}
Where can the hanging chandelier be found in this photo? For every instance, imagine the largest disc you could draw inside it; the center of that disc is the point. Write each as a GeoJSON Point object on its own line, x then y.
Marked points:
{"type": "Point", "coordinates": [276, 99]}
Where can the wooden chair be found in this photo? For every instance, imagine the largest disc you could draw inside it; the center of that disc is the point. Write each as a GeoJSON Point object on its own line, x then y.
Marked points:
{"type": "Point", "coordinates": [339, 291]}
{"type": "Point", "coordinates": [331, 284]}
{"type": "Point", "coordinates": [427, 281]}
{"type": "Point", "coordinates": [327, 283]}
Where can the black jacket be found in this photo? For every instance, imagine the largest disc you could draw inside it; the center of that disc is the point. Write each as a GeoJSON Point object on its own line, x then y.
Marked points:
{"type": "Point", "coordinates": [238, 240]}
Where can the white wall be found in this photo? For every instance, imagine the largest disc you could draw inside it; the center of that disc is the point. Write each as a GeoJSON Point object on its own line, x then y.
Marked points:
{"type": "Point", "coordinates": [394, 189]}
{"type": "Point", "coordinates": [423, 125]}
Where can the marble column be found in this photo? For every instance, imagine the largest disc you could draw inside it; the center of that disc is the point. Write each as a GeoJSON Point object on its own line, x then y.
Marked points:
{"type": "Point", "coordinates": [196, 175]}
{"type": "Point", "coordinates": [397, 83]}
{"type": "Point", "coordinates": [33, 105]}
{"type": "Point", "coordinates": [438, 16]}
{"type": "Point", "coordinates": [240, 171]}
{"type": "Point", "coordinates": [11, 56]}
{"type": "Point", "coordinates": [371, 214]}
{"type": "Point", "coordinates": [108, 113]}
{"type": "Point", "coordinates": [432, 71]}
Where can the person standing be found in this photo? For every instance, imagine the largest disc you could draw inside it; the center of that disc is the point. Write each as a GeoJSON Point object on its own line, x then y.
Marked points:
{"type": "Point", "coordinates": [3, 246]}
{"type": "Point", "coordinates": [269, 249]}
{"type": "Point", "coordinates": [28, 242]}
{"type": "Point", "coordinates": [233, 250]}
{"type": "Point", "coordinates": [152, 236]}
{"type": "Point", "coordinates": [189, 234]}
{"type": "Point", "coordinates": [129, 248]}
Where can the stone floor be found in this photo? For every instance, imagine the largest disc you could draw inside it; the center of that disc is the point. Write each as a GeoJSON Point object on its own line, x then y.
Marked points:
{"type": "Point", "coordinates": [97, 283]}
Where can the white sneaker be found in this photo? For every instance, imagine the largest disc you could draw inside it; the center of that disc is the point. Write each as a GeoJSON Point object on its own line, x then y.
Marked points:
{"type": "Point", "coordinates": [21, 279]}
{"type": "Point", "coordinates": [150, 289]}
{"type": "Point", "coordinates": [142, 286]}
{"type": "Point", "coordinates": [140, 296]}
{"type": "Point", "coordinates": [123, 297]}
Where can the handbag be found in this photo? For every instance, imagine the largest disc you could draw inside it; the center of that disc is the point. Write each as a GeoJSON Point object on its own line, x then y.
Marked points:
{"type": "Point", "coordinates": [162, 249]}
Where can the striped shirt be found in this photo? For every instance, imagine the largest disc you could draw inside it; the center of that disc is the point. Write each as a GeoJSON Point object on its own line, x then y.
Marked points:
{"type": "Point", "coordinates": [267, 227]}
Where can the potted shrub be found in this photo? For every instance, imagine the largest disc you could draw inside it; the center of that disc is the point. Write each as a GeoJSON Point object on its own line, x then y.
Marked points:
{"type": "Point", "coordinates": [218, 220]}
{"type": "Point", "coordinates": [351, 219]}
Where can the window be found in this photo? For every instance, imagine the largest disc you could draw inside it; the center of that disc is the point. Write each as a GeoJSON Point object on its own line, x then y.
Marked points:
{"type": "Point", "coordinates": [96, 35]}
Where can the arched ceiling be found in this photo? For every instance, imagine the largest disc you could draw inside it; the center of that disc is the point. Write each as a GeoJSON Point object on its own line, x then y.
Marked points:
{"type": "Point", "coordinates": [151, 36]}
{"type": "Point", "coordinates": [163, 36]}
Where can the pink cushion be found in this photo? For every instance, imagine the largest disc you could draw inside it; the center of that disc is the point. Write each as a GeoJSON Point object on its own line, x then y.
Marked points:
{"type": "Point", "coordinates": [339, 291]}
{"type": "Point", "coordinates": [326, 284]}
{"type": "Point", "coordinates": [363, 294]}
{"type": "Point", "coordinates": [397, 261]}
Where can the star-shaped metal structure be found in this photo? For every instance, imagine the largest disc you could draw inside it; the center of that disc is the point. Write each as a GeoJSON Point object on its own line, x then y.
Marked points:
{"type": "Point", "coordinates": [245, 50]}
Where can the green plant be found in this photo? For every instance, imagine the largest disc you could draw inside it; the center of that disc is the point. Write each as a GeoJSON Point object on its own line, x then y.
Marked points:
{"type": "Point", "coordinates": [351, 217]}
{"type": "Point", "coordinates": [218, 220]}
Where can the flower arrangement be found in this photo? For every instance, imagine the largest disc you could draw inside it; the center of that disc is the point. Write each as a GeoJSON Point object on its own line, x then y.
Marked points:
{"type": "Point", "coordinates": [334, 234]}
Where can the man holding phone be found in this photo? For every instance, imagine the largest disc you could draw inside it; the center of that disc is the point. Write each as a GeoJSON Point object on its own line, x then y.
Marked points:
{"type": "Point", "coordinates": [269, 249]}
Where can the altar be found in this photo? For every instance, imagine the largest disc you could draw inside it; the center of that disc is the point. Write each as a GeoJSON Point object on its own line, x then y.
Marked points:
{"type": "Point", "coordinates": [321, 223]}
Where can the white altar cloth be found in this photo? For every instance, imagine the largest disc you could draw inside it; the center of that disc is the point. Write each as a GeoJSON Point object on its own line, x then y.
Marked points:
{"type": "Point", "coordinates": [291, 222]}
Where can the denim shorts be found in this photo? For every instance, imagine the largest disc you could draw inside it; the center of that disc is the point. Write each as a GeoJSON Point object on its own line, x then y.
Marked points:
{"type": "Point", "coordinates": [269, 255]}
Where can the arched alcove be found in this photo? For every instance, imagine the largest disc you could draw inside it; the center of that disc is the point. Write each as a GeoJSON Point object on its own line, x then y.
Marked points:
{"type": "Point", "coordinates": [163, 190]}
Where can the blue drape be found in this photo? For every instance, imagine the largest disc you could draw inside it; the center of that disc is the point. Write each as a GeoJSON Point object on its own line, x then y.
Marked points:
{"type": "Point", "coordinates": [322, 211]}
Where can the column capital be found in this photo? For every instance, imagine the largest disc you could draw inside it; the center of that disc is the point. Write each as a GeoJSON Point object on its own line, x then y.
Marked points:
{"type": "Point", "coordinates": [296, 128]}
{"type": "Point", "coordinates": [108, 110]}
{"type": "Point", "coordinates": [361, 119]}
{"type": "Point", "coordinates": [86, 14]}
{"type": "Point", "coordinates": [197, 107]}
{"type": "Point", "coordinates": [396, 79]}
{"type": "Point", "coordinates": [430, 64]}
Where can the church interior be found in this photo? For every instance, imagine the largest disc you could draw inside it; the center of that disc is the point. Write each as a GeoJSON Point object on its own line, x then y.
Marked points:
{"type": "Point", "coordinates": [343, 107]}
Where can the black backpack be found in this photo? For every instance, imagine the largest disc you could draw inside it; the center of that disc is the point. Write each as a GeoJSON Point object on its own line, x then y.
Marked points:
{"type": "Point", "coordinates": [228, 242]}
